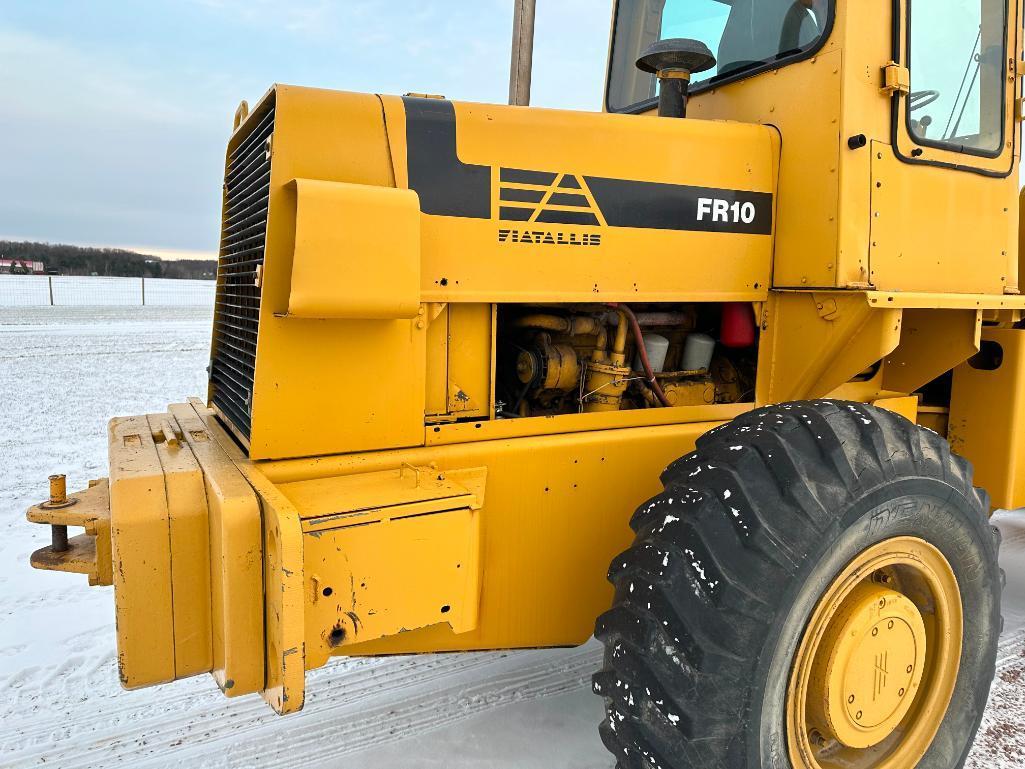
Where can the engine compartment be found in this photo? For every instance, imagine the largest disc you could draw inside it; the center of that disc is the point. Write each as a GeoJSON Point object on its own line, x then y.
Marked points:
{"type": "Point", "coordinates": [586, 358]}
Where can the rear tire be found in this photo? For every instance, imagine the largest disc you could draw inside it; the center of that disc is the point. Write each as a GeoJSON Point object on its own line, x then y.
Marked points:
{"type": "Point", "coordinates": [731, 560]}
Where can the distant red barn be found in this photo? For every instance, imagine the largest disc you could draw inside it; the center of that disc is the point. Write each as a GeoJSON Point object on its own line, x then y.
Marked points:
{"type": "Point", "coordinates": [21, 266]}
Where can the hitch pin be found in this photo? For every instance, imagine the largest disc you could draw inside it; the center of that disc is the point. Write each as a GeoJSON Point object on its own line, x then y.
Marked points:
{"type": "Point", "coordinates": [58, 498]}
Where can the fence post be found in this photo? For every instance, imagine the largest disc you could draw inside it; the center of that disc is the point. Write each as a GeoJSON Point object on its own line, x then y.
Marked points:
{"type": "Point", "coordinates": [49, 280]}
{"type": "Point", "coordinates": [143, 290]}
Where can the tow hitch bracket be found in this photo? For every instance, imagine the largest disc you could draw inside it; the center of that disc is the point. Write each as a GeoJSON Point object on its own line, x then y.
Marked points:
{"type": "Point", "coordinates": [87, 553]}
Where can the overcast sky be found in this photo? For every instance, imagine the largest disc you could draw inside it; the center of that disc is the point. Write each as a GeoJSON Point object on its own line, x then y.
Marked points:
{"type": "Point", "coordinates": [114, 114]}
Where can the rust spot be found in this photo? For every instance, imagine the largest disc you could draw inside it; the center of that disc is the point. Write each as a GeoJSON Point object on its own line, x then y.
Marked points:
{"type": "Point", "coordinates": [336, 636]}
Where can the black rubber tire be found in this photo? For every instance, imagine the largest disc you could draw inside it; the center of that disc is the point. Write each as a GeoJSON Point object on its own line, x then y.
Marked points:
{"type": "Point", "coordinates": [730, 559]}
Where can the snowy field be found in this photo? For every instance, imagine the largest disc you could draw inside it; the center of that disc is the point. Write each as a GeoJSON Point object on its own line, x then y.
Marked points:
{"type": "Point", "coordinates": [63, 372]}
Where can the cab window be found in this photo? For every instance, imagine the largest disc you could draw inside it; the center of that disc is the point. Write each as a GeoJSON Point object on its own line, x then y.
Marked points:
{"type": "Point", "coordinates": [956, 54]}
{"type": "Point", "coordinates": [745, 35]}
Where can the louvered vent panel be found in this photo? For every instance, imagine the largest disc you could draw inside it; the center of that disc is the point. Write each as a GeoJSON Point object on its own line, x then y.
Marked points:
{"type": "Point", "coordinates": [237, 304]}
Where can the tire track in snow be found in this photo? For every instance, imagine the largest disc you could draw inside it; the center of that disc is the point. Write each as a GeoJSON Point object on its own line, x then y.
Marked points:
{"type": "Point", "coordinates": [1010, 650]}
{"type": "Point", "coordinates": [1000, 743]}
{"type": "Point", "coordinates": [70, 718]}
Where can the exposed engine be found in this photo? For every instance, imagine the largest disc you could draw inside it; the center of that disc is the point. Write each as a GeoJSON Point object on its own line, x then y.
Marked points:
{"type": "Point", "coordinates": [560, 359]}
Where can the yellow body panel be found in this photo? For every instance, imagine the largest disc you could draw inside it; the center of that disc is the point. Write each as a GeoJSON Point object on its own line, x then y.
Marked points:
{"type": "Point", "coordinates": [931, 343]}
{"type": "Point", "coordinates": [388, 524]}
{"type": "Point", "coordinates": [297, 409]}
{"type": "Point", "coordinates": [987, 416]}
{"type": "Point", "coordinates": [284, 684]}
{"type": "Point", "coordinates": [552, 519]}
{"type": "Point", "coordinates": [918, 235]}
{"type": "Point", "coordinates": [236, 573]}
{"type": "Point", "coordinates": [806, 226]}
{"type": "Point", "coordinates": [140, 533]}
{"type": "Point", "coordinates": [357, 252]}
{"type": "Point", "coordinates": [846, 333]}
{"type": "Point", "coordinates": [460, 361]}
{"type": "Point", "coordinates": [189, 540]}
{"type": "Point", "coordinates": [584, 146]}
{"type": "Point", "coordinates": [367, 594]}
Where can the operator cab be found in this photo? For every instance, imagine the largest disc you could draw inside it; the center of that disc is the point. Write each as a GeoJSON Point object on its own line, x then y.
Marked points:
{"type": "Point", "coordinates": [958, 67]}
{"type": "Point", "coordinates": [746, 36]}
{"type": "Point", "coordinates": [914, 113]}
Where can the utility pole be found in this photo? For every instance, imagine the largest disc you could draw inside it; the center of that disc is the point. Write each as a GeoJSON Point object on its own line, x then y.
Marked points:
{"type": "Point", "coordinates": [522, 52]}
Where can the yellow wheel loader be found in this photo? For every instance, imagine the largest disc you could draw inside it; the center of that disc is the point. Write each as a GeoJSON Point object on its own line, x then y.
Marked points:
{"type": "Point", "coordinates": [455, 345]}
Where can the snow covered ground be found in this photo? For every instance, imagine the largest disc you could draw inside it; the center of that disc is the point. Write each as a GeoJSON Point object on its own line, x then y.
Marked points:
{"type": "Point", "coordinates": [63, 372]}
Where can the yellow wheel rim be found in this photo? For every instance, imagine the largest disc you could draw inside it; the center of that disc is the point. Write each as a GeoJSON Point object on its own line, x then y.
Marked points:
{"type": "Point", "coordinates": [876, 667]}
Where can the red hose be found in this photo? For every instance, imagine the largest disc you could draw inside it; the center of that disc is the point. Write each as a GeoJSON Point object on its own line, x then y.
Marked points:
{"type": "Point", "coordinates": [642, 353]}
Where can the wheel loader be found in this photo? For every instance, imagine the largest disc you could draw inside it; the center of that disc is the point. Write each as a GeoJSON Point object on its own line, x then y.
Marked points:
{"type": "Point", "coordinates": [752, 334]}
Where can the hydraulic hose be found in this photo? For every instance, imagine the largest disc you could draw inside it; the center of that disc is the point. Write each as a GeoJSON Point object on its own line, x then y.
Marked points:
{"type": "Point", "coordinates": [642, 353]}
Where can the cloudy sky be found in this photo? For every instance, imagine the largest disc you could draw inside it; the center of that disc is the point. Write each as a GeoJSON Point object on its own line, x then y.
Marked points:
{"type": "Point", "coordinates": [114, 114]}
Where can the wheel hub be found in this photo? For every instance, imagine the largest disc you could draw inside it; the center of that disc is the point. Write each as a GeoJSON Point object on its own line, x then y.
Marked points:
{"type": "Point", "coordinates": [875, 654]}
{"type": "Point", "coordinates": [876, 666]}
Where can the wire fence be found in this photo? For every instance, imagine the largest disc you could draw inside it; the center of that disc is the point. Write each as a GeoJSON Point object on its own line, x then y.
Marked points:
{"type": "Point", "coordinates": [80, 291]}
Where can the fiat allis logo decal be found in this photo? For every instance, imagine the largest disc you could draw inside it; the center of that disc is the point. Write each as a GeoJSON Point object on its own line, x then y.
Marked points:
{"type": "Point", "coordinates": [523, 200]}
{"type": "Point", "coordinates": [881, 672]}
{"type": "Point", "coordinates": [543, 197]}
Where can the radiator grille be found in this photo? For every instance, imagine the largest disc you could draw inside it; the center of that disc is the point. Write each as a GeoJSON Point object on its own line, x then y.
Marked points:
{"type": "Point", "coordinates": [237, 303]}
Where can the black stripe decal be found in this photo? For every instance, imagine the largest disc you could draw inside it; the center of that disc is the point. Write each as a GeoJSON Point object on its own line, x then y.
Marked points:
{"type": "Point", "coordinates": [567, 217]}
{"type": "Point", "coordinates": [655, 206]}
{"type": "Point", "coordinates": [522, 176]}
{"type": "Point", "coordinates": [521, 196]}
{"type": "Point", "coordinates": [449, 187]}
{"type": "Point", "coordinates": [515, 214]}
{"type": "Point", "coordinates": [446, 185]}
{"type": "Point", "coordinates": [567, 199]}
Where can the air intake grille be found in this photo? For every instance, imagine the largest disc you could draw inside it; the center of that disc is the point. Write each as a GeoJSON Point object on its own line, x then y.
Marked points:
{"type": "Point", "coordinates": [237, 304]}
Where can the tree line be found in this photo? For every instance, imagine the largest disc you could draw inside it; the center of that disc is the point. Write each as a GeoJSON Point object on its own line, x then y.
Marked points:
{"type": "Point", "coordinates": [112, 262]}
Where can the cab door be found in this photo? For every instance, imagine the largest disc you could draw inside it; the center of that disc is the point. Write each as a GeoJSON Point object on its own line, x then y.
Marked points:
{"type": "Point", "coordinates": [942, 218]}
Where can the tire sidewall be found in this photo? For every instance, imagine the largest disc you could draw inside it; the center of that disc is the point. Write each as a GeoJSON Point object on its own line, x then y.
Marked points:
{"type": "Point", "coordinates": [918, 507]}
